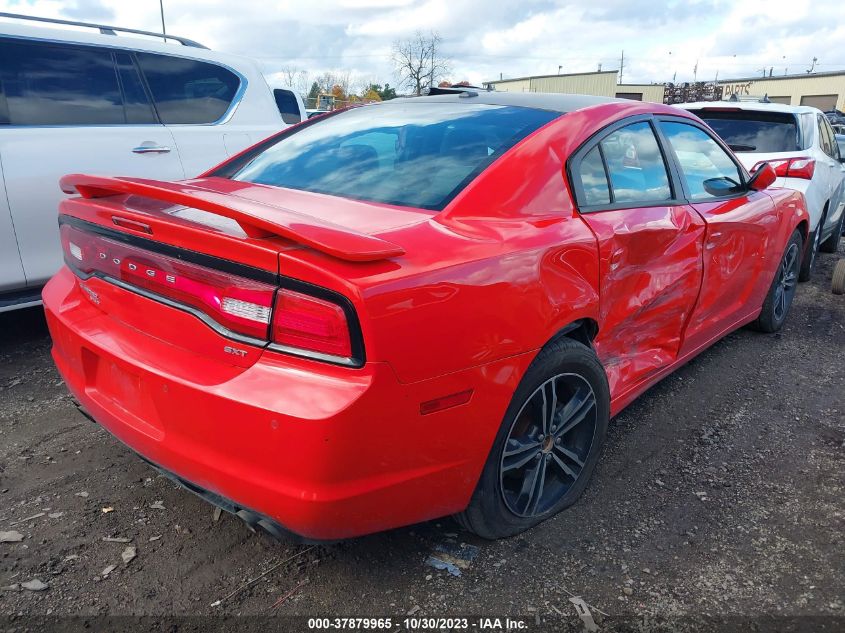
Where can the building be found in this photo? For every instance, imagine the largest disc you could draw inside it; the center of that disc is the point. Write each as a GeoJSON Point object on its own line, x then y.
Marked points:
{"type": "Point", "coordinates": [601, 83]}
{"type": "Point", "coordinates": [825, 90]}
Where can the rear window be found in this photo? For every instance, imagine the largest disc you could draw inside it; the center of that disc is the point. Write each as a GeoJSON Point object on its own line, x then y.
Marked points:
{"type": "Point", "coordinates": [288, 105]}
{"type": "Point", "coordinates": [412, 154]}
{"type": "Point", "coordinates": [754, 132]}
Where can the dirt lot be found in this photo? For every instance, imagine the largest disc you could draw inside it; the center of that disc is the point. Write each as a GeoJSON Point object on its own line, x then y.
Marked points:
{"type": "Point", "coordinates": [720, 495]}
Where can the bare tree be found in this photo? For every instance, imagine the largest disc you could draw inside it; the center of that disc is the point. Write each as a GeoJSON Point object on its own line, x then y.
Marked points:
{"type": "Point", "coordinates": [418, 62]}
{"type": "Point", "coordinates": [330, 79]}
{"type": "Point", "coordinates": [295, 79]}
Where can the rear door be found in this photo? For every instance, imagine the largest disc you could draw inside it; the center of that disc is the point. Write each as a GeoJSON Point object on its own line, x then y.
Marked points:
{"type": "Point", "coordinates": [67, 109]}
{"type": "Point", "coordinates": [206, 107]}
{"type": "Point", "coordinates": [832, 167]}
{"type": "Point", "coordinates": [650, 249]}
{"type": "Point", "coordinates": [740, 224]}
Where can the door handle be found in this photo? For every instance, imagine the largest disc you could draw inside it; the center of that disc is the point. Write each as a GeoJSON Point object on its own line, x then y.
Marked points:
{"type": "Point", "coordinates": [150, 149]}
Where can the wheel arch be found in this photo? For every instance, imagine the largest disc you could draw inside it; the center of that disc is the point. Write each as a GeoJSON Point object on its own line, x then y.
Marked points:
{"type": "Point", "coordinates": [804, 227]}
{"type": "Point", "coordinates": [582, 330]}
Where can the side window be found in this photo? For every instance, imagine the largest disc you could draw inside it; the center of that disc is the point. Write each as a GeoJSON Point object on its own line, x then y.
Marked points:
{"type": "Point", "coordinates": [635, 166]}
{"type": "Point", "coordinates": [288, 106]}
{"type": "Point", "coordinates": [594, 178]}
{"type": "Point", "coordinates": [707, 169]}
{"type": "Point", "coordinates": [187, 90]}
{"type": "Point", "coordinates": [135, 101]}
{"type": "Point", "coordinates": [46, 84]}
{"type": "Point", "coordinates": [828, 143]}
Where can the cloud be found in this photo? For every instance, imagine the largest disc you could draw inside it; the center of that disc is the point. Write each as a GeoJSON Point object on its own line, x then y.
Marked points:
{"type": "Point", "coordinates": [661, 38]}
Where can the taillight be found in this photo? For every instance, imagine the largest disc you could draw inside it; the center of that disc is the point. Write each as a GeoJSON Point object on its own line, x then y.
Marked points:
{"type": "Point", "coordinates": [310, 324]}
{"type": "Point", "coordinates": [238, 304]}
{"type": "Point", "coordinates": [802, 167]}
{"type": "Point", "coordinates": [301, 323]}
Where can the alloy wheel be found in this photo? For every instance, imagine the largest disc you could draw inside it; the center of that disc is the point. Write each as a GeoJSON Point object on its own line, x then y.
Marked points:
{"type": "Point", "coordinates": [548, 445]}
{"type": "Point", "coordinates": [786, 282]}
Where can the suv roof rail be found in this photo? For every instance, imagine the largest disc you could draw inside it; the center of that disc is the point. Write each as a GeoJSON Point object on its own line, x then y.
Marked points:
{"type": "Point", "coordinates": [752, 98]}
{"type": "Point", "coordinates": [104, 28]}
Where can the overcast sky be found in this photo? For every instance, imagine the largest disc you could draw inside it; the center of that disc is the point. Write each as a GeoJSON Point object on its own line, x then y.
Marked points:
{"type": "Point", "coordinates": [486, 38]}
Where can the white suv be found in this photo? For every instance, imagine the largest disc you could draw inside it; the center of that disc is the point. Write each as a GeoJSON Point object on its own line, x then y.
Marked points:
{"type": "Point", "coordinates": [101, 101]}
{"type": "Point", "coordinates": [799, 143]}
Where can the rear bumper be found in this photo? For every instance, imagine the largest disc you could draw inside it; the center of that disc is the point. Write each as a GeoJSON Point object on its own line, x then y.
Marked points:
{"type": "Point", "coordinates": [327, 452]}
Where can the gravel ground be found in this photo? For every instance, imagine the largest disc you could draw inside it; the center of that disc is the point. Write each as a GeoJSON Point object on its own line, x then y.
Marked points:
{"type": "Point", "coordinates": [719, 499]}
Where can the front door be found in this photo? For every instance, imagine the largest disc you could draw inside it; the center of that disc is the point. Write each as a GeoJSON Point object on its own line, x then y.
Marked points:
{"type": "Point", "coordinates": [68, 109]}
{"type": "Point", "coordinates": [650, 250]}
{"type": "Point", "coordinates": [11, 270]}
{"type": "Point", "coordinates": [738, 264]}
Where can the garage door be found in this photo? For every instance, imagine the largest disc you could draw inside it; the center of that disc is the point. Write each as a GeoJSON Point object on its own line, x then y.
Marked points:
{"type": "Point", "coordinates": [786, 100]}
{"type": "Point", "coordinates": [635, 96]}
{"type": "Point", "coordinates": [822, 102]}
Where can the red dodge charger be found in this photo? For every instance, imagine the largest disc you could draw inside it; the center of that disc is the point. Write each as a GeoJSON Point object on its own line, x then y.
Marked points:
{"type": "Point", "coordinates": [424, 307]}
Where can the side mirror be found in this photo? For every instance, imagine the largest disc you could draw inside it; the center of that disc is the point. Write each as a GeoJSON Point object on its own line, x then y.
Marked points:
{"type": "Point", "coordinates": [721, 187]}
{"type": "Point", "coordinates": [763, 178]}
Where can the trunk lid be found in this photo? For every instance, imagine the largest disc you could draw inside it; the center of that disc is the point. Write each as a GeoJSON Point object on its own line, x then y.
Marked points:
{"type": "Point", "coordinates": [210, 249]}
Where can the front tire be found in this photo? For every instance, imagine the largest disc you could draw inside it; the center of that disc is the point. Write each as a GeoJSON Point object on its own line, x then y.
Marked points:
{"type": "Point", "coordinates": [547, 446]}
{"type": "Point", "coordinates": [779, 298]}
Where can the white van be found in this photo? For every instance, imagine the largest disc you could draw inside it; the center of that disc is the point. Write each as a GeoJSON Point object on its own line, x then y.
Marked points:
{"type": "Point", "coordinates": [105, 100]}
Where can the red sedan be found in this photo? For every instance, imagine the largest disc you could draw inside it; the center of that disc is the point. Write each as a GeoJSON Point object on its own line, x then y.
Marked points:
{"type": "Point", "coordinates": [425, 307]}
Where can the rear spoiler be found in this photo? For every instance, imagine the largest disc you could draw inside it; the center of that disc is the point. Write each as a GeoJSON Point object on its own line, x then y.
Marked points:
{"type": "Point", "coordinates": [256, 219]}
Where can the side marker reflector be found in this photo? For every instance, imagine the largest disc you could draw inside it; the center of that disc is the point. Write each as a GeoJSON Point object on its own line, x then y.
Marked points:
{"type": "Point", "coordinates": [445, 402]}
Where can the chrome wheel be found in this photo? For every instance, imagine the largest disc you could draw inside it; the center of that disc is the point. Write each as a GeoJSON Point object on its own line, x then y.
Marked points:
{"type": "Point", "coordinates": [786, 281]}
{"type": "Point", "coordinates": [548, 445]}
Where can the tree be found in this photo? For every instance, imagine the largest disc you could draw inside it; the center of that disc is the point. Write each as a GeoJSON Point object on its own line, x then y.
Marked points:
{"type": "Point", "coordinates": [417, 61]}
{"type": "Point", "coordinates": [294, 78]}
{"type": "Point", "coordinates": [311, 101]}
{"type": "Point", "coordinates": [387, 93]}
{"type": "Point", "coordinates": [371, 93]}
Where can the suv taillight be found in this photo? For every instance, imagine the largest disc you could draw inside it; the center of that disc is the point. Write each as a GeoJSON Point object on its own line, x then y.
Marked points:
{"type": "Point", "coordinates": [802, 167]}
{"type": "Point", "coordinates": [292, 321]}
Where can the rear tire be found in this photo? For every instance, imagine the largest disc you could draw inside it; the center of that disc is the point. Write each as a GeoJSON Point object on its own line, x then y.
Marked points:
{"type": "Point", "coordinates": [838, 284]}
{"type": "Point", "coordinates": [547, 446]}
{"type": "Point", "coordinates": [809, 262]}
{"type": "Point", "coordinates": [779, 298]}
{"type": "Point", "coordinates": [831, 244]}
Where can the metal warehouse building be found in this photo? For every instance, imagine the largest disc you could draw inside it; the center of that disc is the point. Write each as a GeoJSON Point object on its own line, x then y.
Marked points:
{"type": "Point", "coordinates": [824, 90]}
{"type": "Point", "coordinates": [602, 83]}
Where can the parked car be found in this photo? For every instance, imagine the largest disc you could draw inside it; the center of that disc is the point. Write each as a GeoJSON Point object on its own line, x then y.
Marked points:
{"type": "Point", "coordinates": [416, 308]}
{"type": "Point", "coordinates": [104, 100]}
{"type": "Point", "coordinates": [799, 143]}
{"type": "Point", "coordinates": [311, 113]}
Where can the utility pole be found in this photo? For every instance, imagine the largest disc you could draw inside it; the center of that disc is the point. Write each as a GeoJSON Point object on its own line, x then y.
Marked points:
{"type": "Point", "coordinates": [163, 30]}
{"type": "Point", "coordinates": [695, 72]}
{"type": "Point", "coordinates": [431, 76]}
{"type": "Point", "coordinates": [621, 66]}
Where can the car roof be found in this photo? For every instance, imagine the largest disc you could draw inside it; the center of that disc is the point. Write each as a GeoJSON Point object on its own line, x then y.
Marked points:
{"type": "Point", "coordinates": [556, 102]}
{"type": "Point", "coordinates": [752, 106]}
